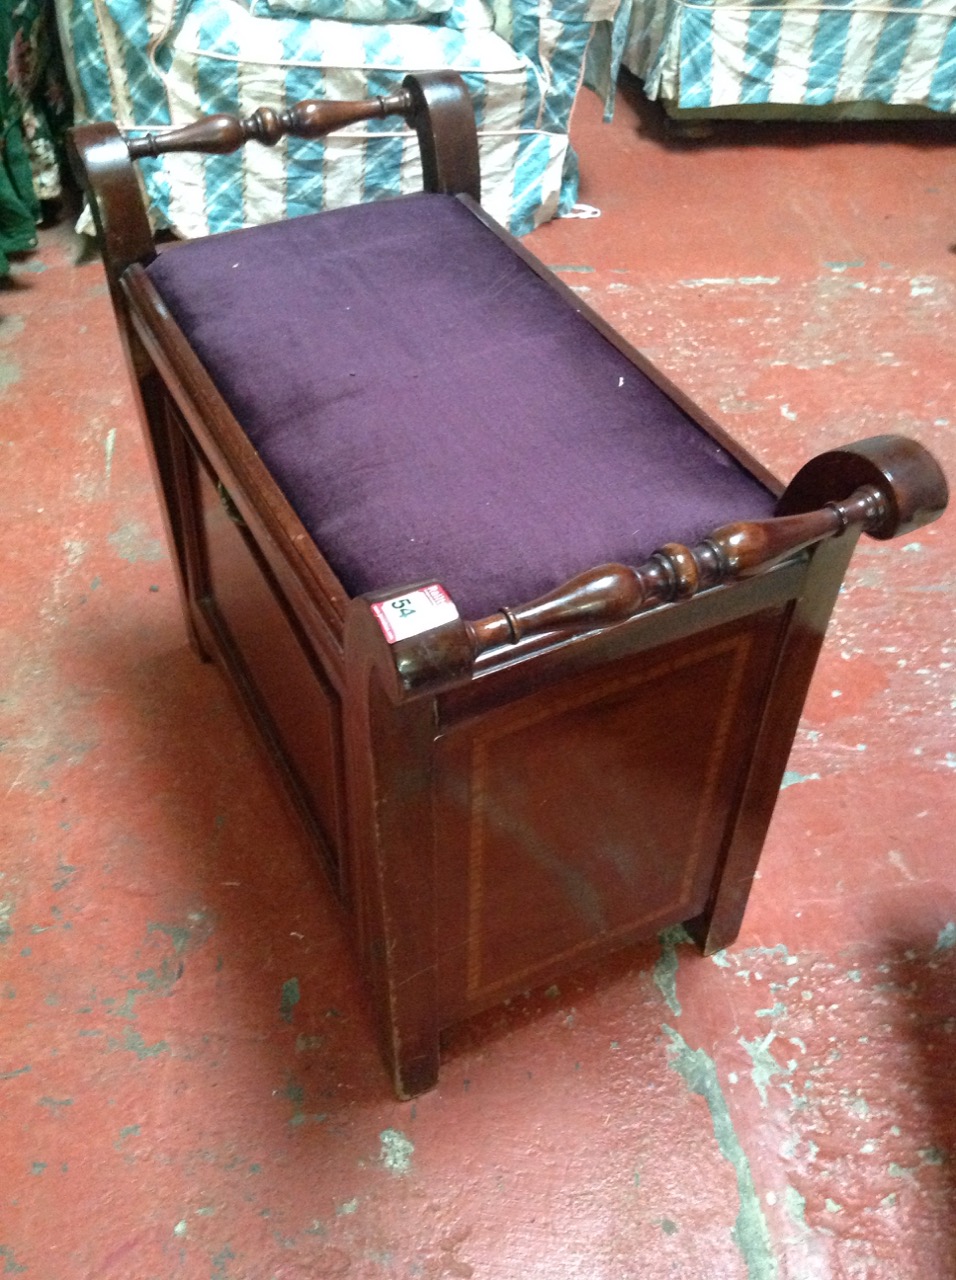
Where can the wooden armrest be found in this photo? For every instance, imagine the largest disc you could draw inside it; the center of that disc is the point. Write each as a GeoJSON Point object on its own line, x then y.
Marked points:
{"type": "Point", "coordinates": [221, 134]}
{"type": "Point", "coordinates": [883, 486]}
{"type": "Point", "coordinates": [436, 105]}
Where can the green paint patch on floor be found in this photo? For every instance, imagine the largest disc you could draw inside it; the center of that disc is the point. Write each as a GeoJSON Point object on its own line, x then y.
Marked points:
{"type": "Point", "coordinates": [160, 981]}
{"type": "Point", "coordinates": [291, 995]}
{"type": "Point", "coordinates": [933, 1155]}
{"type": "Point", "coordinates": [665, 971]}
{"type": "Point", "coordinates": [294, 1091]}
{"type": "Point", "coordinates": [133, 543]}
{"type": "Point", "coordinates": [6, 917]}
{"type": "Point", "coordinates": [8, 1258]}
{"type": "Point", "coordinates": [66, 872]}
{"type": "Point", "coordinates": [11, 327]}
{"type": "Point", "coordinates": [750, 1231]}
{"type": "Point", "coordinates": [776, 1011]}
{"type": "Point", "coordinates": [396, 1152]}
{"type": "Point", "coordinates": [765, 1065]}
{"type": "Point", "coordinates": [133, 1042]}
{"type": "Point", "coordinates": [127, 1008]}
{"type": "Point", "coordinates": [220, 1263]}
{"type": "Point", "coordinates": [796, 1205]}
{"type": "Point", "coordinates": [792, 778]}
{"type": "Point", "coordinates": [187, 936]}
{"type": "Point", "coordinates": [10, 373]}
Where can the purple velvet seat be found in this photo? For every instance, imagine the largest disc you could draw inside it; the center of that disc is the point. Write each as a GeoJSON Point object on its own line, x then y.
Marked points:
{"type": "Point", "coordinates": [432, 409]}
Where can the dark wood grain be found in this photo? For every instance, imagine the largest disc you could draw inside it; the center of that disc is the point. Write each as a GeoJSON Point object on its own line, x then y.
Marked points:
{"type": "Point", "coordinates": [908, 478]}
{"type": "Point", "coordinates": [433, 103]}
{"type": "Point", "coordinates": [615, 592]}
{"type": "Point", "coordinates": [221, 134]}
{"type": "Point", "coordinates": [444, 119]}
{"type": "Point", "coordinates": [109, 180]}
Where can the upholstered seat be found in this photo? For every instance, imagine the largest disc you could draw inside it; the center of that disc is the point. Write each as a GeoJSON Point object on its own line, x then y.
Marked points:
{"type": "Point", "coordinates": [422, 398]}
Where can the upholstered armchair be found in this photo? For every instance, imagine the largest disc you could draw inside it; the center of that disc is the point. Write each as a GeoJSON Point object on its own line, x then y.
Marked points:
{"type": "Point", "coordinates": [152, 63]}
{"type": "Point", "coordinates": [745, 59]}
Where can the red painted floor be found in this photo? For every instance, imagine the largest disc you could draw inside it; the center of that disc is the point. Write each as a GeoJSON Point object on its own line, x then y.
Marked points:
{"type": "Point", "coordinates": [188, 1083]}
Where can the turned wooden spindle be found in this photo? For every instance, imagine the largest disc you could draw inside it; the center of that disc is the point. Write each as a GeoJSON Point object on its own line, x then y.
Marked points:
{"type": "Point", "coordinates": [616, 592]}
{"type": "Point", "coordinates": [312, 118]}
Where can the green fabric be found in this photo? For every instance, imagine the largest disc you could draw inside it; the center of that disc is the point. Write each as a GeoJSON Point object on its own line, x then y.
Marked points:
{"type": "Point", "coordinates": [34, 111]}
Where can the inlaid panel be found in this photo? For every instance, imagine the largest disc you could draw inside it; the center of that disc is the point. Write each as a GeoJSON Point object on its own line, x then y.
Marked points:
{"type": "Point", "coordinates": [296, 709]}
{"type": "Point", "coordinates": [579, 818]}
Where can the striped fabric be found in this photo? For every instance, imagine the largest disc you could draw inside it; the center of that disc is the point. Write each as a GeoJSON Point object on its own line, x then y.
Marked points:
{"type": "Point", "coordinates": [700, 54]}
{"type": "Point", "coordinates": [355, 10]}
{"type": "Point", "coordinates": [155, 62]}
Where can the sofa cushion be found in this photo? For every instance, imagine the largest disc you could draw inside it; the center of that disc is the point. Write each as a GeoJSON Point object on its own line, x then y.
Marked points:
{"type": "Point", "coordinates": [432, 409]}
{"type": "Point", "coordinates": [469, 15]}
{"type": "Point", "coordinates": [355, 10]}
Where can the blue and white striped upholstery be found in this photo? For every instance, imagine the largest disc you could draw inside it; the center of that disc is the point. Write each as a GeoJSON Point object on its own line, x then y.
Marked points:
{"type": "Point", "coordinates": [354, 10]}
{"type": "Point", "coordinates": [718, 53]}
{"type": "Point", "coordinates": [156, 62]}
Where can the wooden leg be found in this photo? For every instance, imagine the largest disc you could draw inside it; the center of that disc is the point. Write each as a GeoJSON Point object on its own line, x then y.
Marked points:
{"type": "Point", "coordinates": [912, 492]}
{"type": "Point", "coordinates": [718, 925]}
{"type": "Point", "coordinates": [389, 752]}
{"type": "Point", "coordinates": [167, 454]}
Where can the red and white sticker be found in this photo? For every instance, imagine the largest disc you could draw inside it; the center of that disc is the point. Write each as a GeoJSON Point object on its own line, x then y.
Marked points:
{"type": "Point", "coordinates": [415, 612]}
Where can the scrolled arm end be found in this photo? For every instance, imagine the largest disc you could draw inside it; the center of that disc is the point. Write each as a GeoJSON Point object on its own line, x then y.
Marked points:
{"type": "Point", "coordinates": [908, 479]}
{"type": "Point", "coordinates": [100, 160]}
{"type": "Point", "coordinates": [443, 117]}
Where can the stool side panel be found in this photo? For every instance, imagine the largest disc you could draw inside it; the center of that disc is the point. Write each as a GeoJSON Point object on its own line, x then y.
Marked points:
{"type": "Point", "coordinates": [593, 812]}
{"type": "Point", "coordinates": [795, 662]}
{"type": "Point", "coordinates": [265, 637]}
{"type": "Point", "coordinates": [293, 700]}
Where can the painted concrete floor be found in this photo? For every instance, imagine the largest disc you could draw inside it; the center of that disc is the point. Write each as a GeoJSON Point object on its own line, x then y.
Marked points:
{"type": "Point", "coordinates": [188, 1083]}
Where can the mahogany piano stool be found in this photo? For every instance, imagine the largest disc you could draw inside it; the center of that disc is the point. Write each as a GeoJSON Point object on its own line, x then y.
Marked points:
{"type": "Point", "coordinates": [376, 433]}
